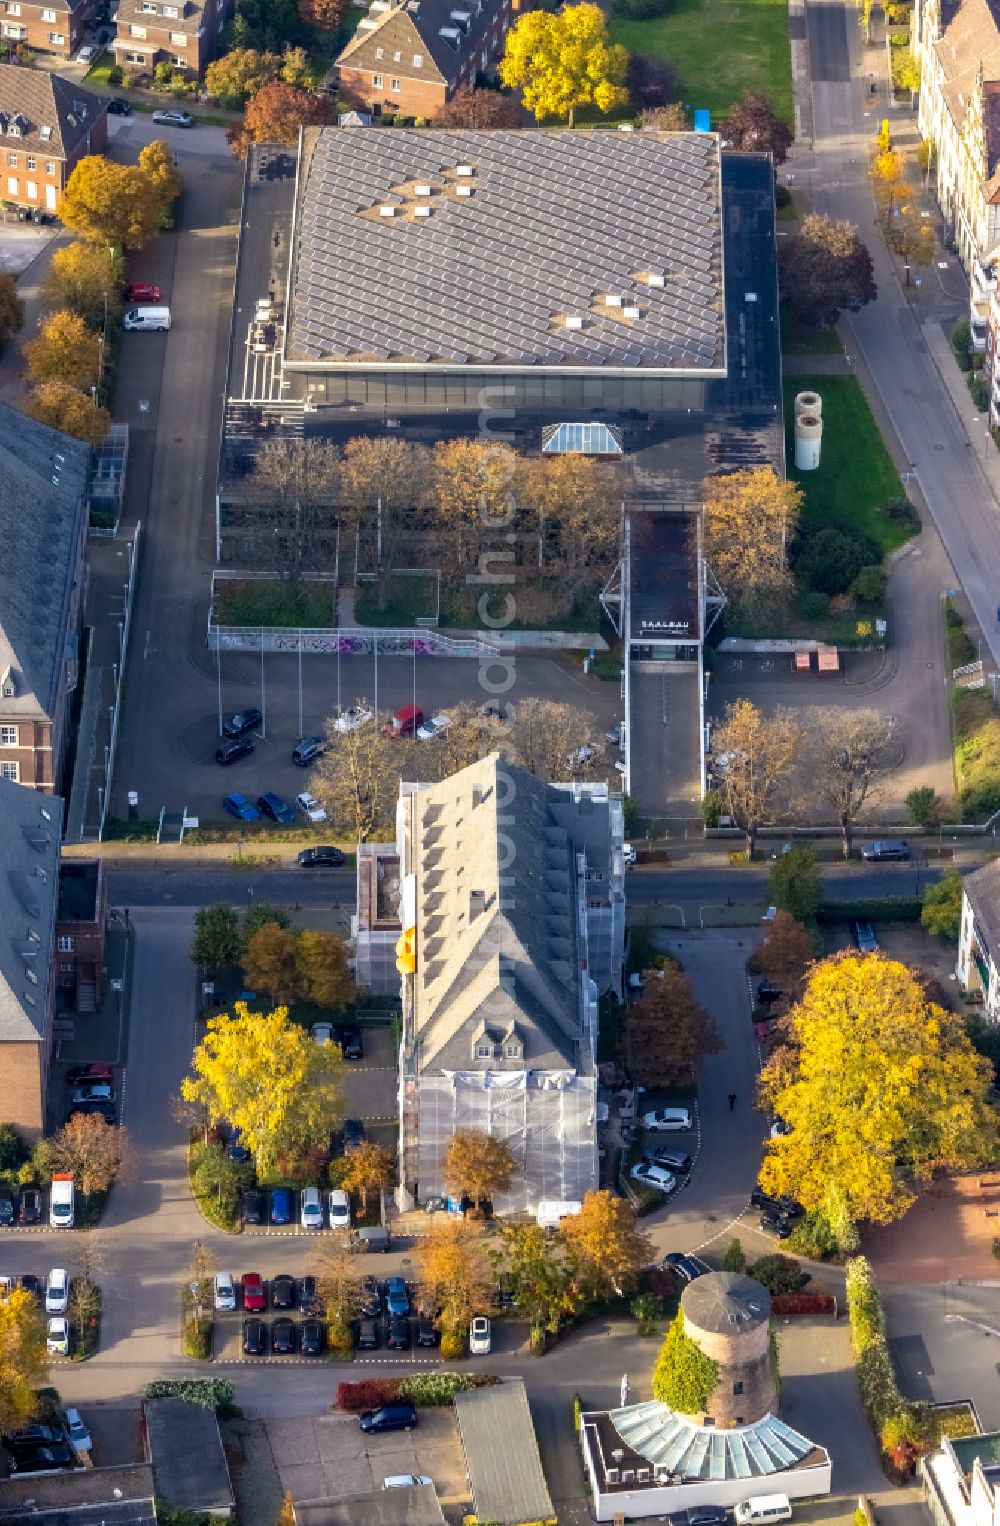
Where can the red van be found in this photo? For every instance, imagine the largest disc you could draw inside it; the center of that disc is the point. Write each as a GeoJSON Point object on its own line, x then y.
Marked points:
{"type": "Point", "coordinates": [404, 723]}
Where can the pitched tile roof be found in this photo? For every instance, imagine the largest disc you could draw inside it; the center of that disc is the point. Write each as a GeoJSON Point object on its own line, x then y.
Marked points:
{"type": "Point", "coordinates": [30, 827]}
{"type": "Point", "coordinates": [983, 891]}
{"type": "Point", "coordinates": [57, 113]}
{"type": "Point", "coordinates": [43, 481]}
{"type": "Point", "coordinates": [393, 35]}
{"type": "Point", "coordinates": [552, 248]}
{"type": "Point", "coordinates": [190, 18]}
{"type": "Point", "coordinates": [970, 38]}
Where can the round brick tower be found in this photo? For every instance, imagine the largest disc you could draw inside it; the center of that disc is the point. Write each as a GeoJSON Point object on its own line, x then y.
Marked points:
{"type": "Point", "coordinates": [728, 1316]}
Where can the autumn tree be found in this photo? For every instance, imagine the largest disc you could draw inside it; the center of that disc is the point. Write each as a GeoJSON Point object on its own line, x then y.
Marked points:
{"type": "Point", "coordinates": [86, 279]}
{"type": "Point", "coordinates": [551, 739]}
{"type": "Point", "coordinates": [296, 68]}
{"type": "Point", "coordinates": [541, 1279]}
{"type": "Point", "coordinates": [160, 168]}
{"type": "Point", "coordinates": [823, 270]}
{"type": "Point", "coordinates": [276, 113]}
{"type": "Point", "coordinates": [793, 882]}
{"type": "Point", "coordinates": [851, 754]}
{"type": "Point", "coordinates": [66, 350]}
{"type": "Point", "coordinates": [357, 778]}
{"type": "Point", "coordinates": [477, 1166]}
{"type": "Point", "coordinates": [90, 1260]}
{"type": "Point", "coordinates": [383, 481]}
{"type": "Point", "coordinates": [93, 1151]}
{"type": "Point", "coordinates": [297, 481]}
{"type": "Point", "coordinates": [323, 15]}
{"type": "Point", "coordinates": [888, 177]}
{"type": "Point", "coordinates": [453, 1274]}
{"type": "Point", "coordinates": [605, 1243]}
{"type": "Point", "coordinates": [884, 1088]}
{"type": "Point", "coordinates": [562, 60]}
{"type": "Point", "coordinates": [473, 484]}
{"type": "Point", "coordinates": [480, 109]}
{"type": "Point", "coordinates": [11, 307]}
{"type": "Point", "coordinates": [110, 203]}
{"type": "Point", "coordinates": [286, 1516]}
{"type": "Point", "coordinates": [669, 1034]}
{"type": "Point", "coordinates": [750, 517]}
{"type": "Point", "coordinates": [941, 912]}
{"type": "Point", "coordinates": [786, 951]}
{"type": "Point", "coordinates": [259, 915]}
{"type": "Point", "coordinates": [582, 496]}
{"type": "Point", "coordinates": [239, 74]}
{"type": "Point", "coordinates": [339, 1288]}
{"type": "Point", "coordinates": [216, 941]}
{"type": "Point", "coordinates": [669, 118]}
{"type": "Point", "coordinates": [753, 126]}
{"type": "Point", "coordinates": [321, 969]}
{"type": "Point", "coordinates": [269, 1079]}
{"type": "Point", "coordinates": [369, 1166]}
{"type": "Point", "coordinates": [64, 407]}
{"type": "Point", "coordinates": [270, 962]}
{"type": "Point", "coordinates": [752, 754]}
{"type": "Point", "coordinates": [23, 1358]}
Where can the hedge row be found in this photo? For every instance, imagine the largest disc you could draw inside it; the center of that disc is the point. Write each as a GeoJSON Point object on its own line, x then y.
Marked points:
{"type": "Point", "coordinates": [890, 908]}
{"type": "Point", "coordinates": [424, 1389]}
{"type": "Point", "coordinates": [803, 1303]}
{"type": "Point", "coordinates": [896, 1421]}
{"type": "Point", "coordinates": [210, 1393]}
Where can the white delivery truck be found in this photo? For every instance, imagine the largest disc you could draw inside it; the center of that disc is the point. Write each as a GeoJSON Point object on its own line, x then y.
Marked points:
{"type": "Point", "coordinates": [551, 1210]}
{"type": "Point", "coordinates": [147, 318]}
{"type": "Point", "coordinates": [62, 1202]}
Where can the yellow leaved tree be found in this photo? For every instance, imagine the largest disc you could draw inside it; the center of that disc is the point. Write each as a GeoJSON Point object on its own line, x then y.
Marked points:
{"type": "Point", "coordinates": [109, 203]}
{"type": "Point", "coordinates": [562, 60]}
{"type": "Point", "coordinates": [879, 1087]}
{"type": "Point", "coordinates": [23, 1359]}
{"type": "Point", "coordinates": [750, 518]}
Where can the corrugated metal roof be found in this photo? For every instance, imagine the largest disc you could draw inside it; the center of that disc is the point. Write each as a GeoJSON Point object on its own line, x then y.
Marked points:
{"type": "Point", "coordinates": [506, 1477]}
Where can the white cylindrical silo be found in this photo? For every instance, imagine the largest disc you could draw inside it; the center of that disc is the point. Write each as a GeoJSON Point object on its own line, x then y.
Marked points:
{"type": "Point", "coordinates": [808, 435]}
{"type": "Point", "coordinates": [809, 402]}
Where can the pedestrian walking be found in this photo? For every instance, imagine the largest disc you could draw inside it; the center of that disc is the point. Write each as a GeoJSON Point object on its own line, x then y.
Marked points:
{"type": "Point", "coordinates": [732, 1101]}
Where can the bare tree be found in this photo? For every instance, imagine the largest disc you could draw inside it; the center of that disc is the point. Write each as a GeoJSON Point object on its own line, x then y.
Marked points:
{"type": "Point", "coordinates": [753, 752]}
{"type": "Point", "coordinates": [357, 779]}
{"type": "Point", "coordinates": [552, 740]}
{"type": "Point", "coordinates": [582, 498]}
{"type": "Point", "coordinates": [384, 481]}
{"type": "Point", "coordinates": [851, 754]}
{"type": "Point", "coordinates": [298, 481]}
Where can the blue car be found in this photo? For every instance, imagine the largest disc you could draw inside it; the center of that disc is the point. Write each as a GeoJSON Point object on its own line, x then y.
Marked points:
{"type": "Point", "coordinates": [279, 810]}
{"type": "Point", "coordinates": [281, 1205]}
{"type": "Point", "coordinates": [240, 807]}
{"type": "Point", "coordinates": [397, 1299]}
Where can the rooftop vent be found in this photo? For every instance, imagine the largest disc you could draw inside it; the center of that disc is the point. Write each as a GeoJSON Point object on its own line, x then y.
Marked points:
{"type": "Point", "coordinates": [573, 321]}
{"type": "Point", "coordinates": [463, 19]}
{"type": "Point", "coordinates": [631, 312]}
{"type": "Point", "coordinates": [656, 278]}
{"type": "Point", "coordinates": [421, 211]}
{"type": "Point", "coordinates": [451, 35]}
{"type": "Point", "coordinates": [463, 190]}
{"type": "Point", "coordinates": [465, 169]}
{"type": "Point", "coordinates": [387, 211]}
{"type": "Point", "coordinates": [45, 132]}
{"type": "Point", "coordinates": [422, 190]}
{"type": "Point", "coordinates": [612, 299]}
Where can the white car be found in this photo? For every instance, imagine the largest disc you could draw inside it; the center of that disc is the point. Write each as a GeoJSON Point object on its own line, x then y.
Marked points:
{"type": "Point", "coordinates": [479, 1336]}
{"type": "Point", "coordinates": [653, 1176]}
{"type": "Point", "coordinates": [666, 1120]}
{"type": "Point", "coordinates": [405, 1480]}
{"type": "Point", "coordinates": [78, 1432]}
{"type": "Point", "coordinates": [88, 53]}
{"type": "Point", "coordinates": [323, 1033]}
{"type": "Point", "coordinates": [351, 719]}
{"type": "Point", "coordinates": [579, 758]}
{"type": "Point", "coordinates": [311, 1208]}
{"type": "Point", "coordinates": [173, 118]}
{"type": "Point", "coordinates": [224, 1292]}
{"type": "Point", "coordinates": [57, 1291]}
{"type": "Point", "coordinates": [629, 854]}
{"type": "Point", "coordinates": [57, 1336]}
{"type": "Point", "coordinates": [434, 727]}
{"type": "Point", "coordinates": [310, 806]}
{"type": "Point", "coordinates": [340, 1209]}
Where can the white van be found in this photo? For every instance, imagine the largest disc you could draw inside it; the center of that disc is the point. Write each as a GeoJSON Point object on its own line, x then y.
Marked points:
{"type": "Point", "coordinates": [147, 318]}
{"type": "Point", "coordinates": [551, 1210]}
{"type": "Point", "coordinates": [224, 1293]}
{"type": "Point", "coordinates": [763, 1510]}
{"type": "Point", "coordinates": [62, 1203]}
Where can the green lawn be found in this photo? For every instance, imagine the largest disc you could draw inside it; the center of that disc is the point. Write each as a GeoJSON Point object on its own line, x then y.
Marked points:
{"type": "Point", "coordinates": [856, 477]}
{"type": "Point", "coordinates": [718, 49]}
{"type": "Point", "coordinates": [797, 340]}
{"type": "Point", "coordinates": [273, 602]}
{"type": "Point", "coordinates": [410, 599]}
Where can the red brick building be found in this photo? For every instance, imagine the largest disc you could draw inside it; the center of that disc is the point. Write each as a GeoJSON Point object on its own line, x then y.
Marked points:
{"type": "Point", "coordinates": [81, 928]}
{"type": "Point", "coordinates": [181, 32]}
{"type": "Point", "coordinates": [46, 26]}
{"type": "Point", "coordinates": [408, 57]}
{"type": "Point", "coordinates": [47, 124]}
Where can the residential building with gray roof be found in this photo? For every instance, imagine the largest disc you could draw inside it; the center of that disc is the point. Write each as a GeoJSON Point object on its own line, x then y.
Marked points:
{"type": "Point", "coordinates": [978, 962]}
{"type": "Point", "coordinates": [47, 123]}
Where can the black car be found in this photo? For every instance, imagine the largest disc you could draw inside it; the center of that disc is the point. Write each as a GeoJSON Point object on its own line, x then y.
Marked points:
{"type": "Point", "coordinates": [253, 1205]}
{"type": "Point", "coordinates": [686, 1267]}
{"type": "Point", "coordinates": [775, 1224]}
{"type": "Point", "coordinates": [786, 1207]}
{"type": "Point", "coordinates": [321, 858]}
{"type": "Point", "coordinates": [41, 1459]}
{"type": "Point", "coordinates": [398, 1338]}
{"type": "Point", "coordinates": [37, 1435]}
{"type": "Point", "coordinates": [308, 1297]}
{"type": "Point", "coordinates": [283, 1337]}
{"type": "Point", "coordinates": [368, 1335]}
{"type": "Point", "coordinates": [397, 1416]}
{"type": "Point", "coordinates": [30, 1208]}
{"type": "Point", "coordinates": [119, 107]}
{"type": "Point", "coordinates": [6, 1208]}
{"type": "Point", "coordinates": [308, 750]}
{"type": "Point", "coordinates": [349, 1039]}
{"type": "Point", "coordinates": [232, 752]}
{"type": "Point", "coordinates": [768, 993]}
{"type": "Point", "coordinates": [254, 1337]}
{"type": "Point", "coordinates": [370, 1298]}
{"type": "Point", "coordinates": [282, 1292]}
{"type": "Point", "coordinates": [243, 720]}
{"type": "Point", "coordinates": [311, 1337]}
{"type": "Point", "coordinates": [671, 1160]}
{"type": "Point", "coordinates": [427, 1335]}
{"type": "Point", "coordinates": [31, 1284]}
{"type": "Point", "coordinates": [700, 1515]}
{"type": "Point", "coordinates": [354, 1133]}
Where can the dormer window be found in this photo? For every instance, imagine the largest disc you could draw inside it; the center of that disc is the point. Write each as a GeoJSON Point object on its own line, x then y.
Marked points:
{"type": "Point", "coordinates": [484, 1049]}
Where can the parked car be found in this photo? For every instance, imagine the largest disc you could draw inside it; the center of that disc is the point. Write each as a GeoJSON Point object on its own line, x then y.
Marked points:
{"type": "Point", "coordinates": [311, 1337]}
{"type": "Point", "coordinates": [308, 750]}
{"type": "Point", "coordinates": [579, 758]}
{"type": "Point", "coordinates": [775, 1224]}
{"type": "Point", "coordinates": [254, 1293]}
{"type": "Point", "coordinates": [864, 937]}
{"type": "Point", "coordinates": [357, 715]}
{"type": "Point", "coordinates": [232, 752]}
{"type": "Point", "coordinates": [686, 1267]}
{"type": "Point", "coordinates": [427, 1332]}
{"type": "Point", "coordinates": [88, 53]}
{"type": "Point", "coordinates": [283, 1337]}
{"type": "Point", "coordinates": [281, 1205]}
{"type": "Point", "coordinates": [30, 1209]}
{"type": "Point", "coordinates": [370, 1298]}
{"type": "Point", "coordinates": [235, 1148]}
{"type": "Point", "coordinates": [666, 1120]}
{"type": "Point", "coordinates": [29, 1283]}
{"type": "Point", "coordinates": [77, 1431]}
{"type": "Point", "coordinates": [254, 1337]}
{"type": "Point", "coordinates": [310, 807]}
{"type": "Point", "coordinates": [434, 727]}
{"type": "Point", "coordinates": [779, 1128]}
{"type": "Point", "coordinates": [493, 714]}
{"type": "Point", "coordinates": [308, 1295]}
{"type": "Point", "coordinates": [768, 993]}
{"type": "Point", "coordinates": [339, 1203]}
{"type": "Point", "coordinates": [243, 720]}
{"type": "Point", "coordinates": [480, 1336]}
{"type": "Point", "coordinates": [41, 1459]}
{"type": "Point", "coordinates": [240, 807]}
{"type": "Point", "coordinates": [118, 106]}
{"type": "Point", "coordinates": [349, 1039]}
{"type": "Point", "coordinates": [787, 1206]}
{"type": "Point", "coordinates": [629, 855]}
{"type": "Point", "coordinates": [282, 1291]}
{"type": "Point", "coordinates": [405, 722]}
{"type": "Point", "coordinates": [368, 1335]}
{"type": "Point", "coordinates": [311, 1208]}
{"type": "Point", "coordinates": [321, 858]}
{"type": "Point", "coordinates": [397, 1416]}
{"type": "Point", "coordinates": [253, 1205]}
{"type": "Point", "coordinates": [173, 118]}
{"type": "Point", "coordinates": [6, 1208]}
{"type": "Point", "coordinates": [322, 1033]}
{"type": "Point", "coordinates": [398, 1336]}
{"type": "Point", "coordinates": [405, 1480]}
{"type": "Point", "coordinates": [700, 1515]}
{"type": "Point", "coordinates": [397, 1299]}
{"type": "Point", "coordinates": [279, 810]}
{"type": "Point", "coordinates": [34, 1435]}
{"type": "Point", "coordinates": [224, 1292]}
{"type": "Point", "coordinates": [354, 1133]}
{"type": "Point", "coordinates": [93, 1091]}
{"type": "Point", "coordinates": [57, 1336]}
{"type": "Point", "coordinates": [885, 849]}
{"type": "Point", "coordinates": [670, 1160]}
{"type": "Point", "coordinates": [648, 1175]}
{"type": "Point", "coordinates": [141, 291]}
{"type": "Point", "coordinates": [95, 1071]}
{"type": "Point", "coordinates": [57, 1291]}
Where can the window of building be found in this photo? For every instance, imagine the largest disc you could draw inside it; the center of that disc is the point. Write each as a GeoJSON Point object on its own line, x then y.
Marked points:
{"type": "Point", "coordinates": [484, 1051]}
{"type": "Point", "coordinates": [32, 191]}
{"type": "Point", "coordinates": [31, 162]}
{"type": "Point", "coordinates": [737, 1388]}
{"type": "Point", "coordinates": [180, 62]}
{"type": "Point", "coordinates": [171, 11]}
{"type": "Point", "coordinates": [11, 771]}
{"type": "Point", "coordinates": [148, 7]}
{"type": "Point", "coordinates": [379, 52]}
{"type": "Point", "coordinates": [135, 58]}
{"type": "Point", "coordinates": [16, 32]}
{"type": "Point", "coordinates": [377, 81]}
{"type": "Point", "coordinates": [178, 39]}
{"type": "Point", "coordinates": [56, 37]}
{"type": "Point", "coordinates": [8, 736]}
{"type": "Point", "coordinates": [48, 16]}
{"type": "Point", "coordinates": [11, 185]}
{"type": "Point", "coordinates": [137, 31]}
{"type": "Point", "coordinates": [396, 57]}
{"type": "Point", "coordinates": [67, 968]}
{"type": "Point", "coordinates": [66, 943]}
{"type": "Point", "coordinates": [50, 166]}
{"type": "Point", "coordinates": [394, 85]}
{"type": "Point", "coordinates": [12, 161]}
{"type": "Point", "coordinates": [418, 60]}
{"type": "Point", "coordinates": [13, 9]}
